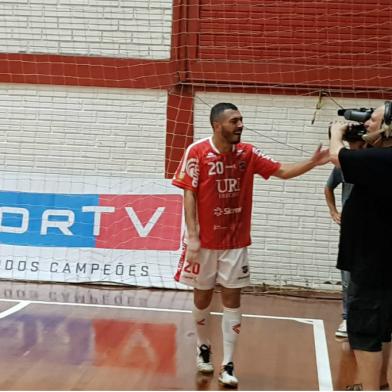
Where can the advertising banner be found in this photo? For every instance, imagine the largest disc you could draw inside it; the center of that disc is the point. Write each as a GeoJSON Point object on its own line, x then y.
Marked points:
{"type": "Point", "coordinates": [90, 229]}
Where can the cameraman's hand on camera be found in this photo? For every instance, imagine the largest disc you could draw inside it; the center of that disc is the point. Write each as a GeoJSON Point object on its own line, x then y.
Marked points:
{"type": "Point", "coordinates": [337, 129]}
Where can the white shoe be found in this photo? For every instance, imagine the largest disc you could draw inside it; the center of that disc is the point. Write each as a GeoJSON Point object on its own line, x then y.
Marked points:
{"type": "Point", "coordinates": [203, 360]}
{"type": "Point", "coordinates": [341, 332]}
{"type": "Point", "coordinates": [227, 377]}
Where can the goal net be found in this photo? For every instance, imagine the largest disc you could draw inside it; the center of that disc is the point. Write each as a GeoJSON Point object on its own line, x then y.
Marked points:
{"type": "Point", "coordinates": [98, 101]}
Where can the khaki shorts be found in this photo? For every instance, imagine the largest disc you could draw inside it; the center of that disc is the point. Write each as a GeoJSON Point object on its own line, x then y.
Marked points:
{"type": "Point", "coordinates": [229, 268]}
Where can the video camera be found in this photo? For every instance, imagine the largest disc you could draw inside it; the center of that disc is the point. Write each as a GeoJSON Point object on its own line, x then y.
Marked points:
{"type": "Point", "coordinates": [355, 131]}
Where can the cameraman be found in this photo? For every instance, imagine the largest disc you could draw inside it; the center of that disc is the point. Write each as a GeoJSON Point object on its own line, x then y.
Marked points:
{"type": "Point", "coordinates": [336, 178]}
{"type": "Point", "coordinates": [365, 247]}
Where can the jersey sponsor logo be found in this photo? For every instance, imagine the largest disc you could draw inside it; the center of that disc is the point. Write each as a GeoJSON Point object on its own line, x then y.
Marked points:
{"type": "Point", "coordinates": [218, 211]}
{"type": "Point", "coordinates": [151, 222]}
{"type": "Point", "coordinates": [218, 227]}
{"type": "Point", "coordinates": [228, 185]}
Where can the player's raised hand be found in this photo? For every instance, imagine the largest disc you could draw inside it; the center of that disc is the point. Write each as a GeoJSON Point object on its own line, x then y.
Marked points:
{"type": "Point", "coordinates": [320, 156]}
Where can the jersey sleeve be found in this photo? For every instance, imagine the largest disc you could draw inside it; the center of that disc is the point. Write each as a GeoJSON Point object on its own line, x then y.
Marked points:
{"type": "Point", "coordinates": [263, 164]}
{"type": "Point", "coordinates": [187, 173]}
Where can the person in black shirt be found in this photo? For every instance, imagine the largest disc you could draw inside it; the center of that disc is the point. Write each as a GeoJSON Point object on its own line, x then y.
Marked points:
{"type": "Point", "coordinates": [365, 247]}
{"type": "Point", "coordinates": [334, 180]}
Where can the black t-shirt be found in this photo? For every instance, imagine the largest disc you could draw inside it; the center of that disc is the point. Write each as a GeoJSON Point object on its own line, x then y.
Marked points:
{"type": "Point", "coordinates": [365, 247]}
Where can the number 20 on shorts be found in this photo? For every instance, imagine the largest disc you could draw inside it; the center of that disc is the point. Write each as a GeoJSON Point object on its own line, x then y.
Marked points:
{"type": "Point", "coordinates": [192, 267]}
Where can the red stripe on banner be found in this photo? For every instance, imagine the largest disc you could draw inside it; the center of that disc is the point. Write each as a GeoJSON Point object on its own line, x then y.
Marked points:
{"type": "Point", "coordinates": [141, 222]}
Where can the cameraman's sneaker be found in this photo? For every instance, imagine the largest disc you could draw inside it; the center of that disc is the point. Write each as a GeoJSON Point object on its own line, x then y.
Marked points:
{"type": "Point", "coordinates": [227, 377]}
{"type": "Point", "coordinates": [341, 332]}
{"type": "Point", "coordinates": [203, 360]}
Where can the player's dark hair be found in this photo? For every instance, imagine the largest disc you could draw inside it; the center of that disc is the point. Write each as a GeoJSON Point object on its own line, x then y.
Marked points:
{"type": "Point", "coordinates": [218, 109]}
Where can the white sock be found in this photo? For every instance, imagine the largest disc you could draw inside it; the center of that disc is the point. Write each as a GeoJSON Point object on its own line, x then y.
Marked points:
{"type": "Point", "coordinates": [231, 325]}
{"type": "Point", "coordinates": [202, 323]}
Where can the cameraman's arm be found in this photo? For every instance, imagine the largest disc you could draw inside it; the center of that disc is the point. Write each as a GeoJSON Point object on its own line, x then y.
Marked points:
{"type": "Point", "coordinates": [336, 144]}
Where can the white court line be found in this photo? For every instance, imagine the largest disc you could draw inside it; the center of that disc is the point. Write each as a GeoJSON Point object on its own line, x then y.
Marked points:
{"type": "Point", "coordinates": [322, 358]}
{"type": "Point", "coordinates": [320, 342]}
{"type": "Point", "coordinates": [14, 309]}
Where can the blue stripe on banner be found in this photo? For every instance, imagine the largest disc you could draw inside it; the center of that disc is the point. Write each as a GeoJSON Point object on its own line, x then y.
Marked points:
{"type": "Point", "coordinates": [45, 219]}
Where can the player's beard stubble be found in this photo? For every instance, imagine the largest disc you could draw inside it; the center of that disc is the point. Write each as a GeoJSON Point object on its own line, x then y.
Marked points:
{"type": "Point", "coordinates": [232, 137]}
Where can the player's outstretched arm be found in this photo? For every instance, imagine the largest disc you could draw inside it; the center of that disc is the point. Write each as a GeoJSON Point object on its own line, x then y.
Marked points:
{"type": "Point", "coordinates": [291, 170]}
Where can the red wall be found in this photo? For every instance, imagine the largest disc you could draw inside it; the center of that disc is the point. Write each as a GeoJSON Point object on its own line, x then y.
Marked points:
{"type": "Point", "coordinates": [328, 44]}
{"type": "Point", "coordinates": [254, 46]}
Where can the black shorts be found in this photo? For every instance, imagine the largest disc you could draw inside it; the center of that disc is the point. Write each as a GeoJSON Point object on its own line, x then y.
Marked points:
{"type": "Point", "coordinates": [369, 321]}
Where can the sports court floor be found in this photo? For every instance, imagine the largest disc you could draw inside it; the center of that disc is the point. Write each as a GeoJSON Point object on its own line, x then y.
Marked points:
{"type": "Point", "coordinates": [72, 337]}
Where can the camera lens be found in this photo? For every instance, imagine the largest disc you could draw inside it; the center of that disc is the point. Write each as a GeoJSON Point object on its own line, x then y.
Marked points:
{"type": "Point", "coordinates": [357, 115]}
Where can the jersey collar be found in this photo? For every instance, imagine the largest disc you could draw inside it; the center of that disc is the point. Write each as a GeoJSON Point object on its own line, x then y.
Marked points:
{"type": "Point", "coordinates": [216, 149]}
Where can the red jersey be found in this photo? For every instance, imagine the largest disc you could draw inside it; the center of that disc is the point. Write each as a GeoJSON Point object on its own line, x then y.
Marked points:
{"type": "Point", "coordinates": [224, 187]}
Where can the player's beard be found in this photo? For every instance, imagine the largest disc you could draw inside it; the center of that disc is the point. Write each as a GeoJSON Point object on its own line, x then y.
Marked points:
{"type": "Point", "coordinates": [231, 137]}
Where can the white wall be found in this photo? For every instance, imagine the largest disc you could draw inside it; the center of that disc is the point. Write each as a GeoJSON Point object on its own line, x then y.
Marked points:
{"type": "Point", "coordinates": [121, 133]}
{"type": "Point", "coordinates": [294, 239]}
{"type": "Point", "coordinates": [82, 131]}
{"type": "Point", "coordinates": [112, 28]}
